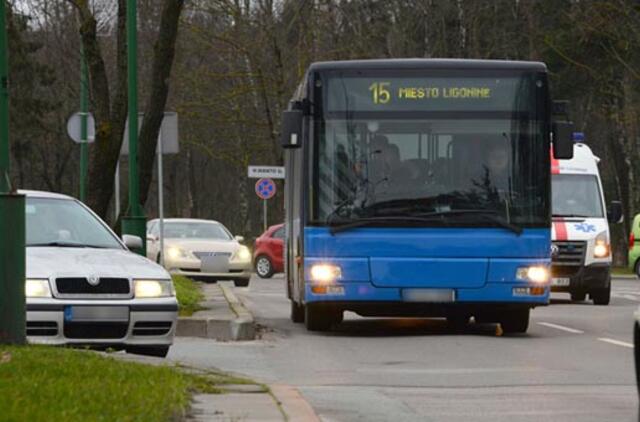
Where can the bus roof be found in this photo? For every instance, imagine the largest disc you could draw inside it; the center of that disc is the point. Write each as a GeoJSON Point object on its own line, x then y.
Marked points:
{"type": "Point", "coordinates": [430, 63]}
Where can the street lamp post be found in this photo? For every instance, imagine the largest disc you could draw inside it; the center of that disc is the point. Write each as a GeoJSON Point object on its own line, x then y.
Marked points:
{"type": "Point", "coordinates": [134, 222]}
{"type": "Point", "coordinates": [12, 227]}
{"type": "Point", "coordinates": [84, 117]}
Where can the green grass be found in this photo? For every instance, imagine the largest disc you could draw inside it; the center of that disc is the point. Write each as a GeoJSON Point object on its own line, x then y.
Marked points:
{"type": "Point", "coordinates": [621, 271]}
{"type": "Point", "coordinates": [40, 383]}
{"type": "Point", "coordinates": [189, 295]}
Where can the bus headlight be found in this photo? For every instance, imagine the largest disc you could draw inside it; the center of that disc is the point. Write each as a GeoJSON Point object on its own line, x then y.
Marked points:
{"type": "Point", "coordinates": [537, 274]}
{"type": "Point", "coordinates": [601, 248]}
{"type": "Point", "coordinates": [153, 288]}
{"type": "Point", "coordinates": [325, 273]}
{"type": "Point", "coordinates": [37, 288]}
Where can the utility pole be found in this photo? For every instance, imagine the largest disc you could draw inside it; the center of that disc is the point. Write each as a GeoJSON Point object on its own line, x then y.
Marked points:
{"type": "Point", "coordinates": [84, 117]}
{"type": "Point", "coordinates": [134, 222]}
{"type": "Point", "coordinates": [12, 228]}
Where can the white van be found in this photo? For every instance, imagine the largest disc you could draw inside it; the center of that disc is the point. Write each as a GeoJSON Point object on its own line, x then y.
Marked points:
{"type": "Point", "coordinates": [581, 250]}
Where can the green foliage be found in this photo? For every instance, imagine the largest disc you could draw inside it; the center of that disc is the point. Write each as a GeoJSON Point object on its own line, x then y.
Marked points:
{"type": "Point", "coordinates": [189, 295]}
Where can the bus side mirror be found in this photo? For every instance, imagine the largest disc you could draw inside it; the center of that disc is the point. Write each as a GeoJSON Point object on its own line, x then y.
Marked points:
{"type": "Point", "coordinates": [291, 129]}
{"type": "Point", "coordinates": [614, 213]}
{"type": "Point", "coordinates": [563, 140]}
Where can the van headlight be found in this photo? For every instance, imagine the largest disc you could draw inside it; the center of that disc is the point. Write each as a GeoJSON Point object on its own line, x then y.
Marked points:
{"type": "Point", "coordinates": [36, 287]}
{"type": "Point", "coordinates": [601, 249]}
{"type": "Point", "coordinates": [325, 273]}
{"type": "Point", "coordinates": [153, 288]}
{"type": "Point", "coordinates": [537, 274]}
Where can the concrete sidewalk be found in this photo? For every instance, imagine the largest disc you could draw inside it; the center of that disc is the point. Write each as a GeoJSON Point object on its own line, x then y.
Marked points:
{"type": "Point", "coordinates": [225, 317]}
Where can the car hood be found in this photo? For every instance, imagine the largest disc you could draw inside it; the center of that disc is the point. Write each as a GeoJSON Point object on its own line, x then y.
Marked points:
{"type": "Point", "coordinates": [204, 245]}
{"type": "Point", "coordinates": [45, 262]}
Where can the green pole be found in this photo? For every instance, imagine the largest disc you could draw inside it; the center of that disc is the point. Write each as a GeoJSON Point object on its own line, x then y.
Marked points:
{"type": "Point", "coordinates": [134, 223]}
{"type": "Point", "coordinates": [12, 231]}
{"type": "Point", "coordinates": [84, 110]}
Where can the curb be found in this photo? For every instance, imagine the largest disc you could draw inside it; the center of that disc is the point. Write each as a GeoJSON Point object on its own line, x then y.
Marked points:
{"type": "Point", "coordinates": [294, 406]}
{"type": "Point", "coordinates": [624, 276]}
{"type": "Point", "coordinates": [238, 325]}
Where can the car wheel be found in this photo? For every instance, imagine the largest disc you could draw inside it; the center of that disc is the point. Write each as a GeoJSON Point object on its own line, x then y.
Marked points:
{"type": "Point", "coordinates": [320, 318]}
{"type": "Point", "coordinates": [243, 282]}
{"type": "Point", "coordinates": [516, 321]}
{"type": "Point", "coordinates": [637, 268]}
{"type": "Point", "coordinates": [157, 351]}
{"type": "Point", "coordinates": [636, 352]}
{"type": "Point", "coordinates": [264, 267]}
{"type": "Point", "coordinates": [601, 296]}
{"type": "Point", "coordinates": [578, 296]}
{"type": "Point", "coordinates": [297, 312]}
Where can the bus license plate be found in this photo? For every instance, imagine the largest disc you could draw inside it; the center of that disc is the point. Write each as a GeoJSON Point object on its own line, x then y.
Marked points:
{"type": "Point", "coordinates": [429, 295]}
{"type": "Point", "coordinates": [564, 281]}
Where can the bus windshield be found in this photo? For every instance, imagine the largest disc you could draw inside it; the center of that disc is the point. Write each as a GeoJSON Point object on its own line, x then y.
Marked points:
{"type": "Point", "coordinates": [393, 147]}
{"type": "Point", "coordinates": [576, 195]}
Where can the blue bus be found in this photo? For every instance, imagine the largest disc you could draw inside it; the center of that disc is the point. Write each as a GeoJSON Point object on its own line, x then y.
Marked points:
{"type": "Point", "coordinates": [420, 187]}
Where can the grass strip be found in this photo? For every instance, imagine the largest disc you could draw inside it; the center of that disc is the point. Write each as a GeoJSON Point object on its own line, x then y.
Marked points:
{"type": "Point", "coordinates": [43, 383]}
{"type": "Point", "coordinates": [189, 295]}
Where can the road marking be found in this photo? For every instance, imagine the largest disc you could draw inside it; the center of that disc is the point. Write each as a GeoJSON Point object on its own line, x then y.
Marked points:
{"type": "Point", "coordinates": [616, 342]}
{"type": "Point", "coordinates": [561, 327]}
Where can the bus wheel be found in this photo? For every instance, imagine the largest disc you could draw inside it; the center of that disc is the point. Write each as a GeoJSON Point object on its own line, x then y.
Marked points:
{"type": "Point", "coordinates": [516, 321]}
{"type": "Point", "coordinates": [458, 322]}
{"type": "Point", "coordinates": [601, 296]}
{"type": "Point", "coordinates": [317, 318]}
{"type": "Point", "coordinates": [297, 312]}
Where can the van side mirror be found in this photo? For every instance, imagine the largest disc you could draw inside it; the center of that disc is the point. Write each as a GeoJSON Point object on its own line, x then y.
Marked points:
{"type": "Point", "coordinates": [291, 129]}
{"type": "Point", "coordinates": [563, 140]}
{"type": "Point", "coordinates": [614, 213]}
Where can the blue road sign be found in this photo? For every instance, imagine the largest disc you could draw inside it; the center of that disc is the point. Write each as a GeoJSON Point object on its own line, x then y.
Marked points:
{"type": "Point", "coordinates": [265, 188]}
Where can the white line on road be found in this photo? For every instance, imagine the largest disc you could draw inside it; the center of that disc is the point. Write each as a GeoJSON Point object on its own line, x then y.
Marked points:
{"type": "Point", "coordinates": [561, 327]}
{"type": "Point", "coordinates": [616, 342]}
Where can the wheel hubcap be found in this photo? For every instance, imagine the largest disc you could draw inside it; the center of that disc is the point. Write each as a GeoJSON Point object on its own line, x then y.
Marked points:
{"type": "Point", "coordinates": [263, 266]}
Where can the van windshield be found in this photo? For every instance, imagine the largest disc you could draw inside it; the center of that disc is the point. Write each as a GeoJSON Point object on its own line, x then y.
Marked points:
{"type": "Point", "coordinates": [576, 195]}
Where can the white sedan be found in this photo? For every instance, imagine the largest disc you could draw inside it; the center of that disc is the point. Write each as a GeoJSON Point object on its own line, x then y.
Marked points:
{"type": "Point", "coordinates": [200, 249]}
{"type": "Point", "coordinates": [85, 287]}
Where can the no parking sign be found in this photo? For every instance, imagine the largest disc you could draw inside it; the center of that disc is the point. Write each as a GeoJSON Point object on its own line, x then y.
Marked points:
{"type": "Point", "coordinates": [265, 188]}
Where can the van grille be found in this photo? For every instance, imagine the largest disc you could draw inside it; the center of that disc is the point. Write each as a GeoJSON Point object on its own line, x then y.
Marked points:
{"type": "Point", "coordinates": [569, 253]}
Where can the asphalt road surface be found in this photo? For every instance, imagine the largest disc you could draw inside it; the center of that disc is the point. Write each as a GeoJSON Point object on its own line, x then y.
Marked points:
{"type": "Point", "coordinates": [574, 364]}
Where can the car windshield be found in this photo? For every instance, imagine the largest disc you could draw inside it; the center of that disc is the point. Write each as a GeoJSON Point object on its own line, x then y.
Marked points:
{"type": "Point", "coordinates": [194, 230]}
{"type": "Point", "coordinates": [65, 223]}
{"type": "Point", "coordinates": [576, 195]}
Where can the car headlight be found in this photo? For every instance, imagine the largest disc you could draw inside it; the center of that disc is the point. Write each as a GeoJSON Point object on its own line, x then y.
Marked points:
{"type": "Point", "coordinates": [537, 274]}
{"type": "Point", "coordinates": [243, 254]}
{"type": "Point", "coordinates": [153, 288]}
{"type": "Point", "coordinates": [601, 249]}
{"type": "Point", "coordinates": [37, 288]}
{"type": "Point", "coordinates": [175, 252]}
{"type": "Point", "coordinates": [325, 273]}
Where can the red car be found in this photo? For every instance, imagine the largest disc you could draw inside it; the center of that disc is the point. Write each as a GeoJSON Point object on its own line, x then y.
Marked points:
{"type": "Point", "coordinates": [268, 254]}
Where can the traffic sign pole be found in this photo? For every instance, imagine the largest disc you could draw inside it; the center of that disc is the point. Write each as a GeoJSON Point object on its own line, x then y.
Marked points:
{"type": "Point", "coordinates": [84, 110]}
{"type": "Point", "coordinates": [265, 189]}
{"type": "Point", "coordinates": [134, 222]}
{"type": "Point", "coordinates": [12, 219]}
{"type": "Point", "coordinates": [264, 214]}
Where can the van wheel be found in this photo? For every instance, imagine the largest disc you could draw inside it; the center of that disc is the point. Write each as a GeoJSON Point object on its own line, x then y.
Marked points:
{"type": "Point", "coordinates": [601, 296]}
{"type": "Point", "coordinates": [637, 268]}
{"type": "Point", "coordinates": [297, 312]}
{"type": "Point", "coordinates": [320, 318]}
{"type": "Point", "coordinates": [516, 321]}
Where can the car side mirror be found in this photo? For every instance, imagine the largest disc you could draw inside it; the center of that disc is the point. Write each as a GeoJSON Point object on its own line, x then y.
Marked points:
{"type": "Point", "coordinates": [239, 239]}
{"type": "Point", "coordinates": [132, 242]}
{"type": "Point", "coordinates": [291, 136]}
{"type": "Point", "coordinates": [614, 213]}
{"type": "Point", "coordinates": [563, 140]}
{"type": "Point", "coordinates": [151, 238]}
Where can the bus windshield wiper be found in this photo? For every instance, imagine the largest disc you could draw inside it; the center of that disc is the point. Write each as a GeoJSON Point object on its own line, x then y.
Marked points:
{"type": "Point", "coordinates": [444, 216]}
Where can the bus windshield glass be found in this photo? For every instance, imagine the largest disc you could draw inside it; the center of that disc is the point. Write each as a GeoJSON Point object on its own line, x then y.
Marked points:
{"type": "Point", "coordinates": [393, 146]}
{"type": "Point", "coordinates": [576, 195]}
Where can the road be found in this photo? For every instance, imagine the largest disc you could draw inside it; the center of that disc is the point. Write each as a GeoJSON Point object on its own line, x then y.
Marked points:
{"type": "Point", "coordinates": [574, 364]}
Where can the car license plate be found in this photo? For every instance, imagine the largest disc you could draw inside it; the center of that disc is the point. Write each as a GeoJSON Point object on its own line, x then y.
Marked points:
{"type": "Point", "coordinates": [215, 264]}
{"type": "Point", "coordinates": [563, 281]}
{"type": "Point", "coordinates": [429, 295]}
{"type": "Point", "coordinates": [96, 313]}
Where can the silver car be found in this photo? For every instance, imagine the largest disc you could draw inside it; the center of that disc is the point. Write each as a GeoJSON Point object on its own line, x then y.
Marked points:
{"type": "Point", "coordinates": [201, 249]}
{"type": "Point", "coordinates": [85, 287]}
